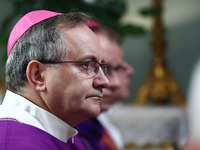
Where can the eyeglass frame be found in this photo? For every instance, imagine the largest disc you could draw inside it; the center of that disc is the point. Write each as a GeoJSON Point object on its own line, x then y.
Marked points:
{"type": "Point", "coordinates": [111, 68]}
{"type": "Point", "coordinates": [58, 62]}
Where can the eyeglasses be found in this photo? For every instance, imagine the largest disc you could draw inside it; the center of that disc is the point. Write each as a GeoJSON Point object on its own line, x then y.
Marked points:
{"type": "Point", "coordinates": [111, 69]}
{"type": "Point", "coordinates": [92, 67]}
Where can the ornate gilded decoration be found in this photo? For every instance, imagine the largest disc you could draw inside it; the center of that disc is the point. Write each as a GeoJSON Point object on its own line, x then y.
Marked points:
{"type": "Point", "coordinates": [166, 145]}
{"type": "Point", "coordinates": [160, 85]}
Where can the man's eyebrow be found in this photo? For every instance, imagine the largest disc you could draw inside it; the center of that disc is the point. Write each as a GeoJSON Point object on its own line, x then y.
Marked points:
{"type": "Point", "coordinates": [89, 57]}
{"type": "Point", "coordinates": [103, 61]}
{"type": "Point", "coordinates": [93, 59]}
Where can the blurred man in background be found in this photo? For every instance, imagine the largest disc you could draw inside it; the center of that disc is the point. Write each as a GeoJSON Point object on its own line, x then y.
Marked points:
{"type": "Point", "coordinates": [99, 133]}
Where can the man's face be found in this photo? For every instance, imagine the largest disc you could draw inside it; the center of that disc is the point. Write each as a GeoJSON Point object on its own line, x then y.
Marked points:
{"type": "Point", "coordinates": [74, 96]}
{"type": "Point", "coordinates": [113, 57]}
{"type": "Point", "coordinates": [119, 75]}
{"type": "Point", "coordinates": [125, 74]}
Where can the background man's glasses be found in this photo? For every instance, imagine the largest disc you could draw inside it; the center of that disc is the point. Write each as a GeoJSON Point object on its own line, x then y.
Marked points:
{"type": "Point", "coordinates": [118, 68]}
{"type": "Point", "coordinates": [92, 67]}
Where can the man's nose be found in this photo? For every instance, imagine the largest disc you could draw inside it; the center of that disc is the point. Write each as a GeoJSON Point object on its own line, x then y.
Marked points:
{"type": "Point", "coordinates": [130, 70]}
{"type": "Point", "coordinates": [101, 80]}
{"type": "Point", "coordinates": [114, 80]}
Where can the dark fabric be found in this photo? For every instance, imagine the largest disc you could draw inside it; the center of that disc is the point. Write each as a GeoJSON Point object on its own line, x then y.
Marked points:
{"type": "Point", "coordinates": [76, 143]}
{"type": "Point", "coordinates": [90, 129]}
{"type": "Point", "coordinates": [19, 136]}
{"type": "Point", "coordinates": [90, 134]}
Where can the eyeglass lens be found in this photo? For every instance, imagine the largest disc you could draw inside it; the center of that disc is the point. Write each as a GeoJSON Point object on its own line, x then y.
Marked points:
{"type": "Point", "coordinates": [93, 68]}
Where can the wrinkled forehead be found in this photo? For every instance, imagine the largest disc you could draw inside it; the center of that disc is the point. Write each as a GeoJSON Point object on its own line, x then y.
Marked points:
{"type": "Point", "coordinates": [111, 49]}
{"type": "Point", "coordinates": [113, 57]}
{"type": "Point", "coordinates": [82, 43]}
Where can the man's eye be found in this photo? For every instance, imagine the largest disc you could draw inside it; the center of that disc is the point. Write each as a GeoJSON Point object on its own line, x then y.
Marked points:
{"type": "Point", "coordinates": [86, 64]}
{"type": "Point", "coordinates": [118, 68]}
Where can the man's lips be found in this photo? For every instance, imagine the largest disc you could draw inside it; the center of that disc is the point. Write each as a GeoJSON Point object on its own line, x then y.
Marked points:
{"type": "Point", "coordinates": [97, 96]}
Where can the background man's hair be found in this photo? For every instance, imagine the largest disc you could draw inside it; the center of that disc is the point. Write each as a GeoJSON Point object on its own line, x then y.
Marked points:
{"type": "Point", "coordinates": [111, 34]}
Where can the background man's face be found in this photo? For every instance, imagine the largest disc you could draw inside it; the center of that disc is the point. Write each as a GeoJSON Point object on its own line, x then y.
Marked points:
{"type": "Point", "coordinates": [120, 76]}
{"type": "Point", "coordinates": [113, 57]}
{"type": "Point", "coordinates": [123, 92]}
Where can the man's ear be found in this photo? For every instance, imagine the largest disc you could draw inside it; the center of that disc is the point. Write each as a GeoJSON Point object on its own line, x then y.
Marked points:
{"type": "Point", "coordinates": [34, 75]}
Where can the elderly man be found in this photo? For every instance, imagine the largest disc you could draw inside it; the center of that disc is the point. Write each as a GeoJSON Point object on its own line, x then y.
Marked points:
{"type": "Point", "coordinates": [92, 132]}
{"type": "Point", "coordinates": [55, 73]}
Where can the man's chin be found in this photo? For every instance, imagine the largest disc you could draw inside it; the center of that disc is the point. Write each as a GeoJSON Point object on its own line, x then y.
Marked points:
{"type": "Point", "coordinates": [93, 111]}
{"type": "Point", "coordinates": [105, 107]}
{"type": "Point", "coordinates": [126, 94]}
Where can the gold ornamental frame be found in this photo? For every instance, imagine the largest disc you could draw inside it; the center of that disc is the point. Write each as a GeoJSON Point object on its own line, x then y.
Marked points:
{"type": "Point", "coordinates": [160, 85]}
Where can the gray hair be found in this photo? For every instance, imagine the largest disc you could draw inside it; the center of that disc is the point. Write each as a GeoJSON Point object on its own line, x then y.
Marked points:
{"type": "Point", "coordinates": [43, 41]}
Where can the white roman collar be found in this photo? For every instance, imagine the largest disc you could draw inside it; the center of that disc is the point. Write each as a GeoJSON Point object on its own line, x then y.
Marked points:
{"type": "Point", "coordinates": [40, 117]}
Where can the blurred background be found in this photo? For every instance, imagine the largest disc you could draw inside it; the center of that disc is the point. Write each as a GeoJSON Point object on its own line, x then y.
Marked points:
{"type": "Point", "coordinates": [181, 21]}
{"type": "Point", "coordinates": [134, 21]}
